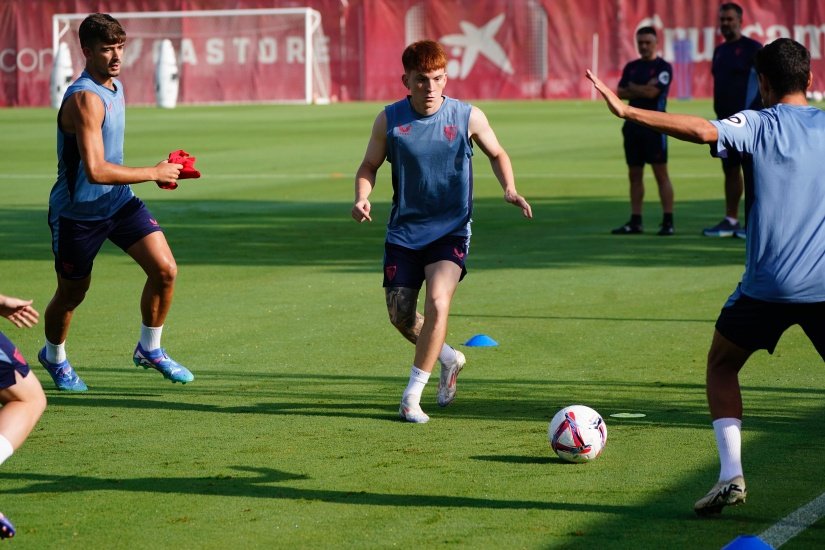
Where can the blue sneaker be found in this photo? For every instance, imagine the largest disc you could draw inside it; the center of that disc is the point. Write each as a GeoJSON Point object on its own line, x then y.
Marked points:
{"type": "Point", "coordinates": [64, 376]}
{"type": "Point", "coordinates": [6, 528]}
{"type": "Point", "coordinates": [158, 360]}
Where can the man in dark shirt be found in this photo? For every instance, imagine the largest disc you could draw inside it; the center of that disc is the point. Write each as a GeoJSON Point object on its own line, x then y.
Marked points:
{"type": "Point", "coordinates": [645, 82]}
{"type": "Point", "coordinates": [734, 89]}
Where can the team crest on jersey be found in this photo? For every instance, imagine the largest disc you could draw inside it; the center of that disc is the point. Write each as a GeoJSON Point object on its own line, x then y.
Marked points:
{"type": "Point", "coordinates": [404, 130]}
{"type": "Point", "coordinates": [664, 78]}
{"type": "Point", "coordinates": [737, 120]}
{"type": "Point", "coordinates": [450, 132]}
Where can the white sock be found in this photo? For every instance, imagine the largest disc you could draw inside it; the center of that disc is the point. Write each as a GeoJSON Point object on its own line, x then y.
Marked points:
{"type": "Point", "coordinates": [729, 443]}
{"type": "Point", "coordinates": [733, 221]}
{"type": "Point", "coordinates": [447, 354]}
{"type": "Point", "coordinates": [415, 387]}
{"type": "Point", "coordinates": [6, 450]}
{"type": "Point", "coordinates": [150, 337]}
{"type": "Point", "coordinates": [55, 353]}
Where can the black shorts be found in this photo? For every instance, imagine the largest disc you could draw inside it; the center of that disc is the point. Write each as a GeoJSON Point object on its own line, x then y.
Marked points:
{"type": "Point", "coordinates": [75, 243]}
{"type": "Point", "coordinates": [10, 360]}
{"type": "Point", "coordinates": [732, 160]}
{"type": "Point", "coordinates": [753, 324]}
{"type": "Point", "coordinates": [404, 267]}
{"type": "Point", "coordinates": [643, 145]}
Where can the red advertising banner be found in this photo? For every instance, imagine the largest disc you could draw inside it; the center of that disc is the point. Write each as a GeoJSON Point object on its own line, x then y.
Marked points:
{"type": "Point", "coordinates": [497, 49]}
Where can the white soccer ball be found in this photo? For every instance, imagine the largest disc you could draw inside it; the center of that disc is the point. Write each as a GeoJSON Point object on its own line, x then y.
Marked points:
{"type": "Point", "coordinates": [577, 434]}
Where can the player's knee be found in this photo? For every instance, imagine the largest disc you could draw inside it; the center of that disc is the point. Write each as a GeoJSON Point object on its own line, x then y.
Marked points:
{"type": "Point", "coordinates": [438, 306]}
{"type": "Point", "coordinates": [166, 273]}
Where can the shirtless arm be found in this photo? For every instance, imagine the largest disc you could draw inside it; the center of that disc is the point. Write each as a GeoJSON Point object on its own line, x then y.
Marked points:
{"type": "Point", "coordinates": [367, 171]}
{"type": "Point", "coordinates": [82, 114]}
{"type": "Point", "coordinates": [482, 134]}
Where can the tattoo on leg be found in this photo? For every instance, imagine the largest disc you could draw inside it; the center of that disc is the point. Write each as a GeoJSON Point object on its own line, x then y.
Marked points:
{"type": "Point", "coordinates": [401, 305]}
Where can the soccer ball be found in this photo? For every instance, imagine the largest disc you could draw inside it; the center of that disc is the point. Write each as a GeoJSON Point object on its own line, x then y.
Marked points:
{"type": "Point", "coordinates": [577, 434]}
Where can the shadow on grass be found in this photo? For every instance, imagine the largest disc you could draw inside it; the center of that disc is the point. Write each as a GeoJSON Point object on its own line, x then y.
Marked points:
{"type": "Point", "coordinates": [565, 232]}
{"type": "Point", "coordinates": [266, 484]}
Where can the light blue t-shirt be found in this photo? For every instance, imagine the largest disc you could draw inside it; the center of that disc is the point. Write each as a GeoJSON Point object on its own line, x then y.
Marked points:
{"type": "Point", "coordinates": [785, 250]}
{"type": "Point", "coordinates": [73, 195]}
{"type": "Point", "coordinates": [432, 177]}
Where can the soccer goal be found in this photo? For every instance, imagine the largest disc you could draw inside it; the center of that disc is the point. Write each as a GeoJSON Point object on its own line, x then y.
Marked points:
{"type": "Point", "coordinates": [223, 56]}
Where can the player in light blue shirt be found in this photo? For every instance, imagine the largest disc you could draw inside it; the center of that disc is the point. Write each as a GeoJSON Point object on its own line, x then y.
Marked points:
{"type": "Point", "coordinates": [91, 201]}
{"type": "Point", "coordinates": [428, 139]}
{"type": "Point", "coordinates": [784, 280]}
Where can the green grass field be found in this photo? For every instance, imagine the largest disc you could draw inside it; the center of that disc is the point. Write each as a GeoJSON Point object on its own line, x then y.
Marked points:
{"type": "Point", "coordinates": [289, 438]}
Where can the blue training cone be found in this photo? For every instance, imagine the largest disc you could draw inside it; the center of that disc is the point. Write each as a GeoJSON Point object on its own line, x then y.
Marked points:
{"type": "Point", "coordinates": [747, 542]}
{"type": "Point", "coordinates": [481, 340]}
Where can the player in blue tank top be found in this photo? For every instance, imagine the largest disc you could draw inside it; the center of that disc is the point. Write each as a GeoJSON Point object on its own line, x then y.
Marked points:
{"type": "Point", "coordinates": [17, 388]}
{"type": "Point", "coordinates": [91, 201]}
{"type": "Point", "coordinates": [428, 139]}
{"type": "Point", "coordinates": [784, 280]}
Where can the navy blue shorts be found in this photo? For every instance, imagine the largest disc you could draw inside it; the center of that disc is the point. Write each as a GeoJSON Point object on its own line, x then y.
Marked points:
{"type": "Point", "coordinates": [734, 159]}
{"type": "Point", "coordinates": [754, 324]}
{"type": "Point", "coordinates": [643, 145]}
{"type": "Point", "coordinates": [75, 243]}
{"type": "Point", "coordinates": [10, 360]}
{"type": "Point", "coordinates": [404, 267]}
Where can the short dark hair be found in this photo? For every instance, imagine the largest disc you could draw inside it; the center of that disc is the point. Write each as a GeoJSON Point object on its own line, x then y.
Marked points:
{"type": "Point", "coordinates": [732, 6]}
{"type": "Point", "coordinates": [424, 56]}
{"type": "Point", "coordinates": [100, 28]}
{"type": "Point", "coordinates": [786, 64]}
{"type": "Point", "coordinates": [646, 30]}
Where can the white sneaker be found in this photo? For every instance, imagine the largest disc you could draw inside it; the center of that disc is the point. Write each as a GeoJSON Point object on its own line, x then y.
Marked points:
{"type": "Point", "coordinates": [725, 493]}
{"type": "Point", "coordinates": [412, 413]}
{"type": "Point", "coordinates": [447, 380]}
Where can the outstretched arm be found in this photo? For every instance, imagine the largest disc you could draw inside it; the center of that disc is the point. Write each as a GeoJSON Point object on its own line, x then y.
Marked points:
{"type": "Point", "coordinates": [685, 127]}
{"type": "Point", "coordinates": [365, 175]}
{"type": "Point", "coordinates": [482, 133]}
{"type": "Point", "coordinates": [19, 312]}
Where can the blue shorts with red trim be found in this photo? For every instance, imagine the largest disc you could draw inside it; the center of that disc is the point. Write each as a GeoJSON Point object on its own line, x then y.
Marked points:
{"type": "Point", "coordinates": [76, 243]}
{"type": "Point", "coordinates": [10, 360]}
{"type": "Point", "coordinates": [404, 267]}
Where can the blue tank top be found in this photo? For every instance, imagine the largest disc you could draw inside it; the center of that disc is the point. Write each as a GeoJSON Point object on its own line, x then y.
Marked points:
{"type": "Point", "coordinates": [432, 177]}
{"type": "Point", "coordinates": [73, 195]}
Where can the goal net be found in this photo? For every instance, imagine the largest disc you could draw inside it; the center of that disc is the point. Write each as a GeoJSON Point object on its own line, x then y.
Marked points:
{"type": "Point", "coordinates": [222, 56]}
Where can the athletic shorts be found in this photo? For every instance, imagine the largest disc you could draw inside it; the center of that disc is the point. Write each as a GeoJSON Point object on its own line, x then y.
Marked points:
{"type": "Point", "coordinates": [76, 243]}
{"type": "Point", "coordinates": [643, 145]}
{"type": "Point", "coordinates": [754, 324]}
{"type": "Point", "coordinates": [733, 159]}
{"type": "Point", "coordinates": [404, 267]}
{"type": "Point", "coordinates": [10, 360]}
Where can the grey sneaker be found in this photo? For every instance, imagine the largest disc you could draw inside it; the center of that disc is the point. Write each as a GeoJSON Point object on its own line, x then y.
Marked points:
{"type": "Point", "coordinates": [447, 380]}
{"type": "Point", "coordinates": [725, 493]}
{"type": "Point", "coordinates": [722, 229]}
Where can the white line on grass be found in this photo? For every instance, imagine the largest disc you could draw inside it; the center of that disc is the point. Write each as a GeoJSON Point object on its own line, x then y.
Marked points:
{"type": "Point", "coordinates": [794, 523]}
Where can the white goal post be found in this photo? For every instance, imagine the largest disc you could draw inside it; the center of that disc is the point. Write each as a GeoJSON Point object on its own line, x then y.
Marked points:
{"type": "Point", "coordinates": [223, 56]}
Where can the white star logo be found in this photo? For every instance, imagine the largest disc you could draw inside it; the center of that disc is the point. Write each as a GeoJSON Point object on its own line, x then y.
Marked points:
{"type": "Point", "coordinates": [477, 41]}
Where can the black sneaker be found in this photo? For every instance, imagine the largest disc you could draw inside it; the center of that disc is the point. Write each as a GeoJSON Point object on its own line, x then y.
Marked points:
{"type": "Point", "coordinates": [628, 229]}
{"type": "Point", "coordinates": [666, 229]}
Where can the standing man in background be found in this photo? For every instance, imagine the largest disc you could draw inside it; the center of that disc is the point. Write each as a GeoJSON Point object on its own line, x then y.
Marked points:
{"type": "Point", "coordinates": [645, 82]}
{"type": "Point", "coordinates": [734, 88]}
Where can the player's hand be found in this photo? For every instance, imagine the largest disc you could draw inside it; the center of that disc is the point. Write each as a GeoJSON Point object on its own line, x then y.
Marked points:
{"type": "Point", "coordinates": [19, 312]}
{"type": "Point", "coordinates": [616, 105]}
{"type": "Point", "coordinates": [517, 200]}
{"type": "Point", "coordinates": [167, 173]}
{"type": "Point", "coordinates": [361, 211]}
